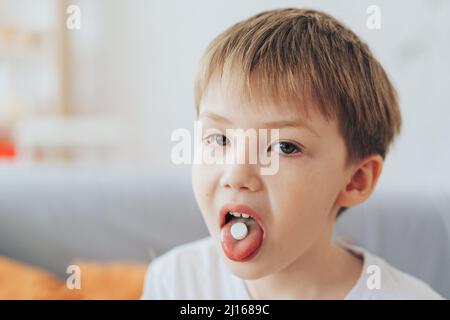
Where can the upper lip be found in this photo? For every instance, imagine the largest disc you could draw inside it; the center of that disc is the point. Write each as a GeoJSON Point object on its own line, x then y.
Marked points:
{"type": "Point", "coordinates": [241, 208]}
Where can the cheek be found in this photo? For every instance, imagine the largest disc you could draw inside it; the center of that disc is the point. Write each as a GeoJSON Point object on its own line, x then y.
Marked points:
{"type": "Point", "coordinates": [200, 184]}
{"type": "Point", "coordinates": [296, 189]}
{"type": "Point", "coordinates": [299, 199]}
{"type": "Point", "coordinates": [204, 184]}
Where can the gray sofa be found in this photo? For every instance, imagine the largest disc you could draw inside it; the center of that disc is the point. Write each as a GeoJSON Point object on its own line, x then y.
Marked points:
{"type": "Point", "coordinates": [49, 216]}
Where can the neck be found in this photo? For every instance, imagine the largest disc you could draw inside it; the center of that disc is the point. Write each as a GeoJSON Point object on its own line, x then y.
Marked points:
{"type": "Point", "coordinates": [324, 271]}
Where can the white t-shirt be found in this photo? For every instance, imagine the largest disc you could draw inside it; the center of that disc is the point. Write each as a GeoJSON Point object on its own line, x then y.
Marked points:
{"type": "Point", "coordinates": [196, 271]}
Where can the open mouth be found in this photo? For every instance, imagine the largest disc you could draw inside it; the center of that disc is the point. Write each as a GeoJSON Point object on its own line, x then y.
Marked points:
{"type": "Point", "coordinates": [242, 232]}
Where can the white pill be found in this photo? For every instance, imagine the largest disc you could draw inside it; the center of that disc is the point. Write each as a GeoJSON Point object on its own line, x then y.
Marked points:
{"type": "Point", "coordinates": [239, 230]}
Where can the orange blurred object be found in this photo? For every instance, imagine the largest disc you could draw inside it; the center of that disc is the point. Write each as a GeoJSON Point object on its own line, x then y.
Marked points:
{"type": "Point", "coordinates": [99, 281]}
{"type": "Point", "coordinates": [7, 150]}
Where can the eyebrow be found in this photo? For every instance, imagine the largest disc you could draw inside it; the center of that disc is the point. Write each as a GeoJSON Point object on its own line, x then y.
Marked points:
{"type": "Point", "coordinates": [215, 117]}
{"type": "Point", "coordinates": [268, 125]}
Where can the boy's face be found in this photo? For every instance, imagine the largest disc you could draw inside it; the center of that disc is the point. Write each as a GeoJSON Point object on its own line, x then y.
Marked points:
{"type": "Point", "coordinates": [296, 205]}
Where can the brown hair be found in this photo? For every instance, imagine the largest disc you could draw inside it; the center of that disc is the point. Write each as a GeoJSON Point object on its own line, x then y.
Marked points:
{"type": "Point", "coordinates": [308, 58]}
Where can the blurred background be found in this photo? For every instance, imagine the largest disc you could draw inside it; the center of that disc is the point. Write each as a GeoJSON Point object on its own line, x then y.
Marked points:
{"type": "Point", "coordinates": [86, 117]}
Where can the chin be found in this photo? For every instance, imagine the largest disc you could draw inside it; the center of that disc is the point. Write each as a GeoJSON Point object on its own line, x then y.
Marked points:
{"type": "Point", "coordinates": [250, 270]}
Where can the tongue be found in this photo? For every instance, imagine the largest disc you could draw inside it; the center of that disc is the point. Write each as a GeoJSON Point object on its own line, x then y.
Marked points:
{"type": "Point", "coordinates": [239, 250]}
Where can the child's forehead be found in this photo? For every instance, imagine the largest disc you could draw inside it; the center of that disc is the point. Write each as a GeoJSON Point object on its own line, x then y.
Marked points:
{"type": "Point", "coordinates": [227, 97]}
{"type": "Point", "coordinates": [227, 104]}
{"type": "Point", "coordinates": [224, 110]}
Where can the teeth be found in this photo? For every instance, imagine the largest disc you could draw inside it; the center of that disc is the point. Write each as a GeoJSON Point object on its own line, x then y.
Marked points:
{"type": "Point", "coordinates": [238, 215]}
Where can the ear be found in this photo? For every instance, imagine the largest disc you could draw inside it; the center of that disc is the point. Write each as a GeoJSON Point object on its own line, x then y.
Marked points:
{"type": "Point", "coordinates": [363, 178]}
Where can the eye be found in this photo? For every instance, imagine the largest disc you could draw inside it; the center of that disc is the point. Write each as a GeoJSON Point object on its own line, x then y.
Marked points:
{"type": "Point", "coordinates": [284, 147]}
{"type": "Point", "coordinates": [218, 139]}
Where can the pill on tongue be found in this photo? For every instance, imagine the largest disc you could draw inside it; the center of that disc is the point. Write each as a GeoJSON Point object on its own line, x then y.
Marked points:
{"type": "Point", "coordinates": [239, 230]}
{"type": "Point", "coordinates": [240, 250]}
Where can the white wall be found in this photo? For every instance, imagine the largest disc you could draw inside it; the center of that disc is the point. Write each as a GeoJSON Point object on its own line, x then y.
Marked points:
{"type": "Point", "coordinates": [137, 58]}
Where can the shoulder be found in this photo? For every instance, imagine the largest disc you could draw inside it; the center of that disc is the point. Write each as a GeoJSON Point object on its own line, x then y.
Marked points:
{"type": "Point", "coordinates": [191, 254]}
{"type": "Point", "coordinates": [401, 285]}
{"type": "Point", "coordinates": [394, 284]}
{"type": "Point", "coordinates": [178, 273]}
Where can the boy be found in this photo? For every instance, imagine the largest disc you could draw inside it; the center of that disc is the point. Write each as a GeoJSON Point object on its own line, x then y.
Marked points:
{"type": "Point", "coordinates": [307, 76]}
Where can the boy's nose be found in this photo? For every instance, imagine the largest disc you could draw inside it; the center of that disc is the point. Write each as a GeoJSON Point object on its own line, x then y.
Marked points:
{"type": "Point", "coordinates": [241, 177]}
